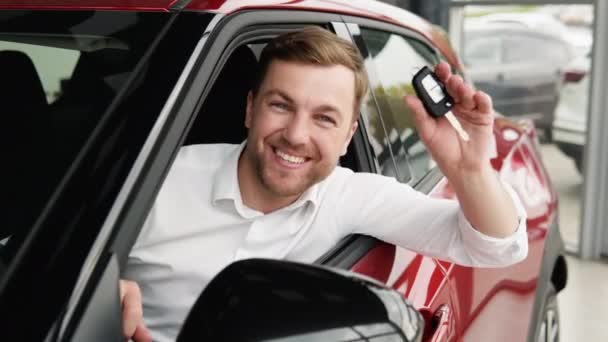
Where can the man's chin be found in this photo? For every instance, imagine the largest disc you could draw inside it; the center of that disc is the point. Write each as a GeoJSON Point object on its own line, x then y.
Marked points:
{"type": "Point", "coordinates": [287, 190]}
{"type": "Point", "coordinates": [287, 187]}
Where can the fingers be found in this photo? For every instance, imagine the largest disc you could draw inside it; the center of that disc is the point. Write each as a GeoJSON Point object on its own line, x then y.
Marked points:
{"type": "Point", "coordinates": [465, 97]}
{"type": "Point", "coordinates": [132, 312]}
{"type": "Point", "coordinates": [483, 113]}
{"type": "Point", "coordinates": [483, 102]}
{"type": "Point", "coordinates": [443, 71]}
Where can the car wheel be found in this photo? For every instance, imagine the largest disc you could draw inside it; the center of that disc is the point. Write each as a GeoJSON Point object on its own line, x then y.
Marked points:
{"type": "Point", "coordinates": [549, 326]}
{"type": "Point", "coordinates": [548, 135]}
{"type": "Point", "coordinates": [579, 164]}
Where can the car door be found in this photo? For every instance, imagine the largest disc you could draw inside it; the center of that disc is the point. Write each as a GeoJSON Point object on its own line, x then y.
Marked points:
{"type": "Point", "coordinates": [390, 55]}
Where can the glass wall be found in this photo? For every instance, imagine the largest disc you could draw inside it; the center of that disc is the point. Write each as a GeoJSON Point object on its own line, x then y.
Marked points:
{"type": "Point", "coordinates": [535, 62]}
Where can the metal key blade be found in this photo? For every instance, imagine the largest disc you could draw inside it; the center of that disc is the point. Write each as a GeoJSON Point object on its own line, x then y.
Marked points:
{"type": "Point", "coordinates": [457, 127]}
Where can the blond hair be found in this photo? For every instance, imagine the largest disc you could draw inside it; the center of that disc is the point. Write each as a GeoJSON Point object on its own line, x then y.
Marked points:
{"type": "Point", "coordinates": [317, 46]}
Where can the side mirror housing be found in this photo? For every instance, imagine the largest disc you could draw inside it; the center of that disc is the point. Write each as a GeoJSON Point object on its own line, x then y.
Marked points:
{"type": "Point", "coordinates": [273, 300]}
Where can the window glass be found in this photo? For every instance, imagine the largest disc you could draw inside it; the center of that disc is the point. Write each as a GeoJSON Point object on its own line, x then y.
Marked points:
{"type": "Point", "coordinates": [53, 72]}
{"type": "Point", "coordinates": [394, 59]}
{"type": "Point", "coordinates": [377, 138]}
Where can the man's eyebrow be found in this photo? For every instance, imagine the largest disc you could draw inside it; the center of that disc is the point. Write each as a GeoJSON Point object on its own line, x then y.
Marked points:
{"type": "Point", "coordinates": [328, 108]}
{"type": "Point", "coordinates": [279, 93]}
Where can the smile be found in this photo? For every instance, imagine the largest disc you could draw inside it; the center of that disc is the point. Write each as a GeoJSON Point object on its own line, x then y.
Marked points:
{"type": "Point", "coordinates": [289, 158]}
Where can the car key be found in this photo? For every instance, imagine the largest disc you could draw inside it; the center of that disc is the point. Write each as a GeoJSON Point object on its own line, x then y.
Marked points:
{"type": "Point", "coordinates": [435, 98]}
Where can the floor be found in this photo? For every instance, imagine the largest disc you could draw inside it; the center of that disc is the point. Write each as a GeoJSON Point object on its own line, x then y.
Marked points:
{"type": "Point", "coordinates": [569, 185]}
{"type": "Point", "coordinates": [584, 302]}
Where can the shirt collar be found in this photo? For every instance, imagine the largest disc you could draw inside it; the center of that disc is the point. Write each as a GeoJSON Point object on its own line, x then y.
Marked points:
{"type": "Point", "coordinates": [226, 186]}
{"type": "Point", "coordinates": [226, 183]}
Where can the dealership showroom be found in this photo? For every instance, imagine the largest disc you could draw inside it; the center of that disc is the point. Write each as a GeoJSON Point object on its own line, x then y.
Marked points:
{"type": "Point", "coordinates": [581, 177]}
{"type": "Point", "coordinates": [192, 170]}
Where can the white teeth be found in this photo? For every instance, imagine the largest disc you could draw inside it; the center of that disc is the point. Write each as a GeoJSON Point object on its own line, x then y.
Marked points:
{"type": "Point", "coordinates": [290, 158]}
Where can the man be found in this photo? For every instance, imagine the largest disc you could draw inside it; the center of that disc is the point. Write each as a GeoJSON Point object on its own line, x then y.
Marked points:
{"type": "Point", "coordinates": [281, 195]}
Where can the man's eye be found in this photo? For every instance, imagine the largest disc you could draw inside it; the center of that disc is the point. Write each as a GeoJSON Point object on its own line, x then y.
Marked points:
{"type": "Point", "coordinates": [327, 119]}
{"type": "Point", "coordinates": [279, 105]}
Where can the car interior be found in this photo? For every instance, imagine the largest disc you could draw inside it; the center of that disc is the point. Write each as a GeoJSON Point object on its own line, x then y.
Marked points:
{"type": "Point", "coordinates": [221, 119]}
{"type": "Point", "coordinates": [47, 135]}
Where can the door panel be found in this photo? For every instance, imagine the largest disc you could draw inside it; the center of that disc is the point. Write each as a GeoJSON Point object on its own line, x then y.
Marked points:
{"type": "Point", "coordinates": [483, 296]}
{"type": "Point", "coordinates": [418, 278]}
{"type": "Point", "coordinates": [101, 314]}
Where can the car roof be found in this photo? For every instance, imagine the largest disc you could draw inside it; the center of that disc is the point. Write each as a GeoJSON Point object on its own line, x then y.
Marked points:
{"type": "Point", "coordinates": [361, 8]}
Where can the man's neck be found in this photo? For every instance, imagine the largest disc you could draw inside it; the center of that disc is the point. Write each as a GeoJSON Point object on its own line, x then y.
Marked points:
{"type": "Point", "coordinates": [253, 193]}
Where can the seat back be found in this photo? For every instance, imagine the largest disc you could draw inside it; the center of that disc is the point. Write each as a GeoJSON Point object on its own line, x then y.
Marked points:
{"type": "Point", "coordinates": [222, 116]}
{"type": "Point", "coordinates": [25, 142]}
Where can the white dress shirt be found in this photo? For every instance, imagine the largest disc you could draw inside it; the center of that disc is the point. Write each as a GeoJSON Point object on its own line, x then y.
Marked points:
{"type": "Point", "coordinates": [199, 224]}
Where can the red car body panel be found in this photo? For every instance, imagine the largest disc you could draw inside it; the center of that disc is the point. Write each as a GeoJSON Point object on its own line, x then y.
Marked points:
{"type": "Point", "coordinates": [122, 5]}
{"type": "Point", "coordinates": [372, 10]}
{"type": "Point", "coordinates": [479, 297]}
{"type": "Point", "coordinates": [458, 303]}
{"type": "Point", "coordinates": [367, 9]}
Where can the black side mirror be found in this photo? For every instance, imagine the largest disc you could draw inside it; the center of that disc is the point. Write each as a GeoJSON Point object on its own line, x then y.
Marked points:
{"type": "Point", "coordinates": [272, 300]}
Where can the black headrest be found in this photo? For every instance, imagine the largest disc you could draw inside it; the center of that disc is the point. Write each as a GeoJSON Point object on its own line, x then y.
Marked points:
{"type": "Point", "coordinates": [20, 86]}
{"type": "Point", "coordinates": [24, 105]}
{"type": "Point", "coordinates": [25, 137]}
{"type": "Point", "coordinates": [222, 116]}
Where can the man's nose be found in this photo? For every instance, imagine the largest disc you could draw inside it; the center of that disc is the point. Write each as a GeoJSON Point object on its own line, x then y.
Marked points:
{"type": "Point", "coordinates": [297, 131]}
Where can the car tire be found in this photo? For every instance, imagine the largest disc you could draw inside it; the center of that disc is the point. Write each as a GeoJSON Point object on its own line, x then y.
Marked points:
{"type": "Point", "coordinates": [549, 326]}
{"type": "Point", "coordinates": [579, 164]}
{"type": "Point", "coordinates": [548, 136]}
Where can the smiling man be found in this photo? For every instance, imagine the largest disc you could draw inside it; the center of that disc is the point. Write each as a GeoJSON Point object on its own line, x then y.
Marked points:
{"type": "Point", "coordinates": [296, 134]}
{"type": "Point", "coordinates": [281, 194]}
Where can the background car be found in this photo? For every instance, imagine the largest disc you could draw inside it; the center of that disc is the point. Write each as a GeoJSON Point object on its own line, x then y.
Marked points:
{"type": "Point", "coordinates": [98, 99]}
{"type": "Point", "coordinates": [520, 66]}
{"type": "Point", "coordinates": [570, 125]}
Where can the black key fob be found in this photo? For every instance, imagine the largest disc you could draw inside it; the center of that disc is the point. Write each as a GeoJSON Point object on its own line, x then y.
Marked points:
{"type": "Point", "coordinates": [431, 91]}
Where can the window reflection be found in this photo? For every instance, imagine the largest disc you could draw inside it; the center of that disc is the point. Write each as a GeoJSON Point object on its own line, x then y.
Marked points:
{"type": "Point", "coordinates": [394, 59]}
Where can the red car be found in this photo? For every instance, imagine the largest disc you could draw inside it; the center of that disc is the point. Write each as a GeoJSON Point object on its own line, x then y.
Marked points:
{"type": "Point", "coordinates": [98, 97]}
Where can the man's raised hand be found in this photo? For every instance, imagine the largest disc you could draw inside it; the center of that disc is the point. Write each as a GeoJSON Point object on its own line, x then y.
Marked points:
{"type": "Point", "coordinates": [473, 109]}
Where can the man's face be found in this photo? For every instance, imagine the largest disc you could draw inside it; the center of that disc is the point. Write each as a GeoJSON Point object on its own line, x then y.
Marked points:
{"type": "Point", "coordinates": [300, 122]}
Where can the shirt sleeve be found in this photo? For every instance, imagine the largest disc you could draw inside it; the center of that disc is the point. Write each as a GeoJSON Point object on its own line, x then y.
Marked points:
{"type": "Point", "coordinates": [396, 213]}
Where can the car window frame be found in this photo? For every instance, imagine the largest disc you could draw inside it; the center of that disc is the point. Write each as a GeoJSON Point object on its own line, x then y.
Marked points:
{"type": "Point", "coordinates": [359, 23]}
{"type": "Point", "coordinates": [59, 275]}
{"type": "Point", "coordinates": [354, 247]}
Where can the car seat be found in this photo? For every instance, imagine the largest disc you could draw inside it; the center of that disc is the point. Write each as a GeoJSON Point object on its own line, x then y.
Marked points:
{"type": "Point", "coordinates": [27, 180]}
{"type": "Point", "coordinates": [221, 119]}
{"type": "Point", "coordinates": [85, 97]}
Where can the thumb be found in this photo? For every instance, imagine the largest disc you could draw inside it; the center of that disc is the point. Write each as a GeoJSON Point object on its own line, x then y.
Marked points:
{"type": "Point", "coordinates": [424, 122]}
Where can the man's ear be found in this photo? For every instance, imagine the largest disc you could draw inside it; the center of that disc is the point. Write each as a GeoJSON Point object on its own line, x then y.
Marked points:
{"type": "Point", "coordinates": [248, 110]}
{"type": "Point", "coordinates": [353, 129]}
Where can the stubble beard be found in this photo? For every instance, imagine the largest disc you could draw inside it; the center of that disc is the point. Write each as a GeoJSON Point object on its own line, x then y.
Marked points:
{"type": "Point", "coordinates": [282, 183]}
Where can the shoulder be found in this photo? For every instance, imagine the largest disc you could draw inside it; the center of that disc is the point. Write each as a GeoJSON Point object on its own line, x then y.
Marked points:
{"type": "Point", "coordinates": [344, 176]}
{"type": "Point", "coordinates": [346, 181]}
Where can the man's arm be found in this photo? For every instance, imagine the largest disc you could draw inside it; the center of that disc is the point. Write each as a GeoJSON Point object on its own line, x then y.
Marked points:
{"type": "Point", "coordinates": [483, 199]}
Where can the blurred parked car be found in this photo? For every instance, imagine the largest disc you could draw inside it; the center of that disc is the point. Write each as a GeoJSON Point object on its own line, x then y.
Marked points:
{"type": "Point", "coordinates": [570, 125]}
{"type": "Point", "coordinates": [99, 96]}
{"type": "Point", "coordinates": [520, 67]}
